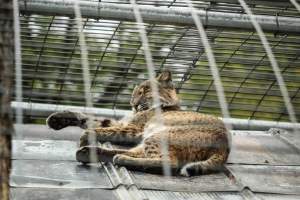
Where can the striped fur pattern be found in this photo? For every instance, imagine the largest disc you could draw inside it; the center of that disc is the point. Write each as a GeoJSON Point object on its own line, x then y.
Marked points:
{"type": "Point", "coordinates": [197, 143]}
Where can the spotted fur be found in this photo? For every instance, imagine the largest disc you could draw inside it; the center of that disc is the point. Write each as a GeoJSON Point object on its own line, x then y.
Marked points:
{"type": "Point", "coordinates": [197, 143]}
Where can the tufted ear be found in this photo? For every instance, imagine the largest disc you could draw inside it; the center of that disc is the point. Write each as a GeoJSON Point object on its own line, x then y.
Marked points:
{"type": "Point", "coordinates": [165, 79]}
{"type": "Point", "coordinates": [164, 76]}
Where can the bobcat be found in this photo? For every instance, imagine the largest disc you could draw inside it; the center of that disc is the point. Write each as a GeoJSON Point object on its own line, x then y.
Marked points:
{"type": "Point", "coordinates": [197, 143]}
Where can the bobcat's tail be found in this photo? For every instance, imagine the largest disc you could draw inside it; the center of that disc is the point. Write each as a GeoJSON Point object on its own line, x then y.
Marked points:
{"type": "Point", "coordinates": [212, 164]}
{"type": "Point", "coordinates": [60, 120]}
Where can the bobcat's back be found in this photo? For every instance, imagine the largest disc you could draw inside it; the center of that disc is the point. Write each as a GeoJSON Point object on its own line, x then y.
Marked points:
{"type": "Point", "coordinates": [192, 136]}
{"type": "Point", "coordinates": [196, 141]}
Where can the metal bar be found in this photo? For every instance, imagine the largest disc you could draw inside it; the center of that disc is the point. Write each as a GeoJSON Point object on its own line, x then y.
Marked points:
{"type": "Point", "coordinates": [238, 124]}
{"type": "Point", "coordinates": [46, 109]}
{"type": "Point", "coordinates": [255, 2]}
{"type": "Point", "coordinates": [98, 10]}
{"type": "Point", "coordinates": [260, 125]}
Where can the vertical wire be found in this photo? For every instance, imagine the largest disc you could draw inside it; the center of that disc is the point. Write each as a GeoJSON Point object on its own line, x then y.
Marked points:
{"type": "Point", "coordinates": [252, 70]}
{"type": "Point", "coordinates": [99, 64]}
{"type": "Point", "coordinates": [156, 101]}
{"type": "Point", "coordinates": [18, 66]}
{"type": "Point", "coordinates": [274, 64]}
{"type": "Point", "coordinates": [296, 4]}
{"type": "Point", "coordinates": [84, 56]}
{"type": "Point", "coordinates": [128, 66]}
{"type": "Point", "coordinates": [86, 74]}
{"type": "Point", "coordinates": [212, 66]}
{"type": "Point", "coordinates": [67, 68]}
{"type": "Point", "coordinates": [40, 55]}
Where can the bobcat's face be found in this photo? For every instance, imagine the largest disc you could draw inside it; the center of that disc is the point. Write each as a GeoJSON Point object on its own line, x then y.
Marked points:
{"type": "Point", "coordinates": [142, 99]}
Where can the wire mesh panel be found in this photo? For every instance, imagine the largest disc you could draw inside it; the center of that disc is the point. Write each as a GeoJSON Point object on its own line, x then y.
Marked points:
{"type": "Point", "coordinates": [52, 70]}
{"type": "Point", "coordinates": [52, 78]}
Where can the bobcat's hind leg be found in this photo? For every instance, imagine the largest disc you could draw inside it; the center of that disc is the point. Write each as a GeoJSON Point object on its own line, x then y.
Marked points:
{"type": "Point", "coordinates": [150, 160]}
{"type": "Point", "coordinates": [103, 154]}
{"type": "Point", "coordinates": [153, 165]}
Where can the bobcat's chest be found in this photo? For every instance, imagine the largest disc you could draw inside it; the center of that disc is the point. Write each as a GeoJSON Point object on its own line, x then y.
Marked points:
{"type": "Point", "coordinates": [154, 127]}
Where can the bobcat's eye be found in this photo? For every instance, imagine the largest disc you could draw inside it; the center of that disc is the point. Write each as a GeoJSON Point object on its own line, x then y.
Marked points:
{"type": "Point", "coordinates": [140, 92]}
{"type": "Point", "coordinates": [147, 88]}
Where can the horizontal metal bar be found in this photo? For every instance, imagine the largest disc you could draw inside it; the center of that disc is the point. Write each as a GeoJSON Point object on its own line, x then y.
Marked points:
{"type": "Point", "coordinates": [261, 125]}
{"type": "Point", "coordinates": [281, 3]}
{"type": "Point", "coordinates": [153, 14]}
{"type": "Point", "coordinates": [237, 124]}
{"type": "Point", "coordinates": [46, 109]}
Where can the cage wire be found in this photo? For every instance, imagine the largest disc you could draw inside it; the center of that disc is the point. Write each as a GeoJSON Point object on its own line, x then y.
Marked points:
{"type": "Point", "coordinates": [52, 73]}
{"type": "Point", "coordinates": [52, 70]}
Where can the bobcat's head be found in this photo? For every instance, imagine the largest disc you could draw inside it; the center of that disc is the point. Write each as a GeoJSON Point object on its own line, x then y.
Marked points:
{"type": "Point", "coordinates": [142, 99]}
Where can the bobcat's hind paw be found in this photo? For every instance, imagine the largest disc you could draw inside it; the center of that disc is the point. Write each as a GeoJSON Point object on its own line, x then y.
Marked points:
{"type": "Point", "coordinates": [190, 170]}
{"type": "Point", "coordinates": [184, 172]}
{"type": "Point", "coordinates": [60, 120]}
{"type": "Point", "coordinates": [119, 159]}
{"type": "Point", "coordinates": [92, 154]}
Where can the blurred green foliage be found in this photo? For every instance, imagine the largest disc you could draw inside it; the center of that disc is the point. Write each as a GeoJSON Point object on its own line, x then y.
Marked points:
{"type": "Point", "coordinates": [53, 74]}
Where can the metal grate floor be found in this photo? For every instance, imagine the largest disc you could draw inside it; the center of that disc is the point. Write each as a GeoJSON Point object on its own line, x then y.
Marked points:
{"type": "Point", "coordinates": [262, 164]}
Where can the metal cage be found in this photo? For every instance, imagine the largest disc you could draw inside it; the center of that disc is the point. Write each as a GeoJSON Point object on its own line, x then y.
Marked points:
{"type": "Point", "coordinates": [51, 54]}
{"type": "Point", "coordinates": [44, 162]}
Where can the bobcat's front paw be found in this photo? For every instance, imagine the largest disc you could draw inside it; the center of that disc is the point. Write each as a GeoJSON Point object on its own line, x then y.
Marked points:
{"type": "Point", "coordinates": [89, 138]}
{"type": "Point", "coordinates": [190, 170]}
{"type": "Point", "coordinates": [60, 120]}
{"type": "Point", "coordinates": [83, 155]}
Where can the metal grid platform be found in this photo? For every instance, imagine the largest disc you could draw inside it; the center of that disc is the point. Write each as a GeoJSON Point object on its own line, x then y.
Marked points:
{"type": "Point", "coordinates": [262, 165]}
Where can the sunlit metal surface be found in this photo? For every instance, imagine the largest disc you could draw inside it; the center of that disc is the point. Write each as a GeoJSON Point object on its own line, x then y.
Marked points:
{"type": "Point", "coordinates": [256, 157]}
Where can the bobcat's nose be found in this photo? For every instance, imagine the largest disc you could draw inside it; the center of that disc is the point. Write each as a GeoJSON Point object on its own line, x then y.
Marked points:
{"type": "Point", "coordinates": [135, 107]}
{"type": "Point", "coordinates": [133, 104]}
